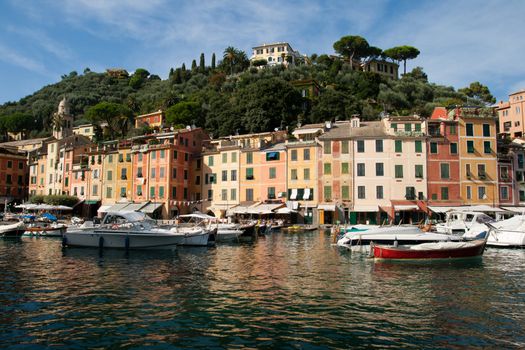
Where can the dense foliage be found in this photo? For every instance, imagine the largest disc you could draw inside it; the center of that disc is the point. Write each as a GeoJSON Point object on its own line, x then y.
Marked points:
{"type": "Point", "coordinates": [234, 97]}
{"type": "Point", "coordinates": [69, 201]}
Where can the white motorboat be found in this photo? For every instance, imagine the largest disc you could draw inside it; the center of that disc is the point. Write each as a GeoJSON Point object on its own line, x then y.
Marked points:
{"type": "Point", "coordinates": [225, 231]}
{"type": "Point", "coordinates": [360, 239]}
{"type": "Point", "coordinates": [134, 230]}
{"type": "Point", "coordinates": [506, 233]}
{"type": "Point", "coordinates": [471, 223]}
{"type": "Point", "coordinates": [45, 229]}
{"type": "Point", "coordinates": [15, 229]}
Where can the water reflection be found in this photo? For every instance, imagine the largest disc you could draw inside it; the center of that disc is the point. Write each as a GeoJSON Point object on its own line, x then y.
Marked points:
{"type": "Point", "coordinates": [281, 291]}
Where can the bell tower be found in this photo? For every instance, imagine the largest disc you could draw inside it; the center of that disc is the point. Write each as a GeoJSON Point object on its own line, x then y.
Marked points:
{"type": "Point", "coordinates": [62, 121]}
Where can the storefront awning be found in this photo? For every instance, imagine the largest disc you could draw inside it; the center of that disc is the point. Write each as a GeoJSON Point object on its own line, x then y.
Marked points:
{"type": "Point", "coordinates": [306, 194]}
{"type": "Point", "coordinates": [405, 207]}
{"type": "Point", "coordinates": [515, 209]}
{"type": "Point", "coordinates": [92, 202]}
{"type": "Point", "coordinates": [440, 210]}
{"type": "Point", "coordinates": [135, 206]}
{"type": "Point", "coordinates": [326, 207]}
{"type": "Point", "coordinates": [151, 208]}
{"type": "Point", "coordinates": [118, 207]}
{"type": "Point", "coordinates": [365, 208]}
{"type": "Point", "coordinates": [104, 208]}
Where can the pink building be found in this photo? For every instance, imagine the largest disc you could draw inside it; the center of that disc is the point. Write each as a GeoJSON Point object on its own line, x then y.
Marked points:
{"type": "Point", "coordinates": [512, 115]}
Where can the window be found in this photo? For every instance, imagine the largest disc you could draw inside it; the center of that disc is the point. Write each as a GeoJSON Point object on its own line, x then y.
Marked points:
{"type": "Point", "coordinates": [139, 156]}
{"type": "Point", "coordinates": [444, 193]}
{"type": "Point", "coordinates": [380, 170]}
{"type": "Point", "coordinates": [379, 192]}
{"type": "Point", "coordinates": [327, 147]}
{"type": "Point", "coordinates": [123, 191]}
{"type": "Point", "coordinates": [210, 195]}
{"type": "Point", "coordinates": [271, 192]}
{"type": "Point", "coordinates": [153, 173]}
{"type": "Point", "coordinates": [210, 160]}
{"type": "Point", "coordinates": [272, 173]}
{"type": "Point", "coordinates": [394, 126]}
{"type": "Point", "coordinates": [419, 171]}
{"type": "Point", "coordinates": [410, 193]}
{"type": "Point", "coordinates": [124, 174]}
{"type": "Point", "coordinates": [121, 158]}
{"type": "Point", "coordinates": [445, 170]}
{"type": "Point", "coordinates": [486, 147]}
{"type": "Point", "coordinates": [522, 196]}
{"type": "Point", "coordinates": [109, 176]}
{"type": "Point", "coordinates": [293, 174]}
{"type": "Point", "coordinates": [481, 171]}
{"type": "Point", "coordinates": [344, 168]}
{"type": "Point", "coordinates": [327, 193]}
{"type": "Point", "coordinates": [174, 192]}
{"type": "Point", "coordinates": [224, 194]}
{"type": "Point", "coordinates": [399, 171]}
{"type": "Point", "coordinates": [408, 127]}
{"type": "Point", "coordinates": [453, 148]}
{"type": "Point", "coordinates": [162, 172]}
{"type": "Point", "coordinates": [233, 175]}
{"type": "Point", "coordinates": [233, 194]}
{"type": "Point", "coordinates": [452, 129]}
{"type": "Point", "coordinates": [361, 192]}
{"type": "Point", "coordinates": [154, 155]}
{"type": "Point", "coordinates": [327, 168]}
{"type": "Point", "coordinates": [486, 130]}
{"type": "Point", "coordinates": [152, 192]}
{"type": "Point", "coordinates": [504, 192]}
{"type": "Point", "coordinates": [234, 157]}
{"type": "Point", "coordinates": [109, 192]}
{"type": "Point", "coordinates": [433, 147]}
{"type": "Point", "coordinates": [345, 192]}
{"type": "Point", "coordinates": [360, 169]}
{"type": "Point", "coordinates": [197, 180]}
{"type": "Point", "coordinates": [249, 194]}
{"type": "Point", "coordinates": [504, 172]}
{"type": "Point", "coordinates": [94, 192]}
{"type": "Point", "coordinates": [293, 155]}
{"type": "Point", "coordinates": [418, 146]}
{"type": "Point", "coordinates": [417, 127]}
{"type": "Point", "coordinates": [481, 193]}
{"type": "Point", "coordinates": [213, 178]}
{"type": "Point", "coordinates": [470, 147]}
{"type": "Point", "coordinates": [360, 146]}
{"type": "Point", "coordinates": [469, 192]}
{"type": "Point", "coordinates": [174, 173]}
{"type": "Point", "coordinates": [306, 174]}
{"type": "Point", "coordinates": [467, 171]}
{"type": "Point", "coordinates": [379, 146]}
{"type": "Point", "coordinates": [344, 147]}
{"type": "Point", "coordinates": [470, 129]}
{"type": "Point", "coordinates": [249, 174]}
{"type": "Point", "coordinates": [521, 160]}
{"type": "Point", "coordinates": [249, 158]}
{"type": "Point", "coordinates": [225, 175]}
{"type": "Point", "coordinates": [399, 146]}
{"type": "Point", "coordinates": [306, 154]}
{"type": "Point", "coordinates": [175, 155]}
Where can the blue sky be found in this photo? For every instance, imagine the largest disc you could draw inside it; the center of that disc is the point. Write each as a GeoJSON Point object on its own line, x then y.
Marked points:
{"type": "Point", "coordinates": [460, 41]}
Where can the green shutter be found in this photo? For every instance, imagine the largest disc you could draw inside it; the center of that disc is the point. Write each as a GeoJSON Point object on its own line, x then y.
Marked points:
{"type": "Point", "coordinates": [399, 146]}
{"type": "Point", "coordinates": [419, 147]}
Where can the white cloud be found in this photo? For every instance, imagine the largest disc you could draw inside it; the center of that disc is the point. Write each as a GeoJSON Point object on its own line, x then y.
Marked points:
{"type": "Point", "coordinates": [12, 57]}
{"type": "Point", "coordinates": [39, 38]}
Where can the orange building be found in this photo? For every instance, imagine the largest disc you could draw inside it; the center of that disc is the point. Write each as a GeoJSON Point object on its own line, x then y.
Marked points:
{"type": "Point", "coordinates": [13, 175]}
{"type": "Point", "coordinates": [155, 119]}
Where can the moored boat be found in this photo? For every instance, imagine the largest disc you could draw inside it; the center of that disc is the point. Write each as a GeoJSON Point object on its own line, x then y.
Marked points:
{"type": "Point", "coordinates": [15, 229]}
{"type": "Point", "coordinates": [46, 230]}
{"type": "Point", "coordinates": [437, 250]}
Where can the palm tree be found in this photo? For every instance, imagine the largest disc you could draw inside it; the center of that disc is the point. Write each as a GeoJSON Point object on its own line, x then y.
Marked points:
{"type": "Point", "coordinates": [230, 53]}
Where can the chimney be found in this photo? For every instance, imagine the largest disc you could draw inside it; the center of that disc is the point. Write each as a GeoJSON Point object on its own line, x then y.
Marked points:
{"type": "Point", "coordinates": [328, 125]}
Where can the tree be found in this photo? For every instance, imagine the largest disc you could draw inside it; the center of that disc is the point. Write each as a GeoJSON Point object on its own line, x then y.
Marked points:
{"type": "Point", "coordinates": [402, 53]}
{"type": "Point", "coordinates": [479, 92]}
{"type": "Point", "coordinates": [116, 116]}
{"type": "Point", "coordinates": [202, 67]}
{"type": "Point", "coordinates": [213, 61]}
{"type": "Point", "coordinates": [352, 47]}
{"type": "Point", "coordinates": [333, 104]}
{"type": "Point", "coordinates": [235, 59]}
{"type": "Point", "coordinates": [193, 66]}
{"type": "Point", "coordinates": [184, 113]}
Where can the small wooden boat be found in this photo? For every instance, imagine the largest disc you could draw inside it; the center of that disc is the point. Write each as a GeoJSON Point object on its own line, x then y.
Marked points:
{"type": "Point", "coordinates": [53, 230]}
{"type": "Point", "coordinates": [437, 250]}
{"type": "Point", "coordinates": [16, 229]}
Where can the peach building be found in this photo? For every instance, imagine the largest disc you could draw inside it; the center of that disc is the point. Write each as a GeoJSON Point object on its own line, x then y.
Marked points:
{"type": "Point", "coordinates": [511, 115]}
{"type": "Point", "coordinates": [13, 175]}
{"type": "Point", "coordinates": [155, 119]}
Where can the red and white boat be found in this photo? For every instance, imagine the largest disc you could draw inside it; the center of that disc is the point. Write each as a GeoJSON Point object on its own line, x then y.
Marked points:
{"type": "Point", "coordinates": [438, 250]}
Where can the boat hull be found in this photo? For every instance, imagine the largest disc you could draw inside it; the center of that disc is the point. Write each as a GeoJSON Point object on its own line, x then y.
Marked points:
{"type": "Point", "coordinates": [121, 240]}
{"type": "Point", "coordinates": [470, 250]}
{"type": "Point", "coordinates": [505, 238]}
{"type": "Point", "coordinates": [12, 230]}
{"type": "Point", "coordinates": [45, 231]}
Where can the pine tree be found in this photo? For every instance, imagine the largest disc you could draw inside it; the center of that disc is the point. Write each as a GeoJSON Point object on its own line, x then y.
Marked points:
{"type": "Point", "coordinates": [171, 72]}
{"type": "Point", "coordinates": [213, 61]}
{"type": "Point", "coordinates": [193, 66]}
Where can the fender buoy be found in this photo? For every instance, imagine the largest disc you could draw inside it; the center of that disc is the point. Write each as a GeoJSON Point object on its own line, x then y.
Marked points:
{"type": "Point", "coordinates": [101, 242]}
{"type": "Point", "coordinates": [126, 243]}
{"type": "Point", "coordinates": [64, 242]}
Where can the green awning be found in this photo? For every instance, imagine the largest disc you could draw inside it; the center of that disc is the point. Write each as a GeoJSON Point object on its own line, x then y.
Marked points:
{"type": "Point", "coordinates": [92, 202]}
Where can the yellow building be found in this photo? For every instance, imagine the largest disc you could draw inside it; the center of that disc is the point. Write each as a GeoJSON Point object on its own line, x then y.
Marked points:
{"type": "Point", "coordinates": [87, 130]}
{"type": "Point", "coordinates": [110, 173]}
{"type": "Point", "coordinates": [124, 171]}
{"type": "Point", "coordinates": [478, 155]}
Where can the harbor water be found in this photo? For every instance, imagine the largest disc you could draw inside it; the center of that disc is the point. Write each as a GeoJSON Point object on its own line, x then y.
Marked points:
{"type": "Point", "coordinates": [282, 291]}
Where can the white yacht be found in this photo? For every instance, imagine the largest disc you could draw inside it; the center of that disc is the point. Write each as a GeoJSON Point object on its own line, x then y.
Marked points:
{"type": "Point", "coordinates": [134, 230]}
{"type": "Point", "coordinates": [505, 233]}
{"type": "Point", "coordinates": [360, 239]}
{"type": "Point", "coordinates": [225, 231]}
{"type": "Point", "coordinates": [464, 222]}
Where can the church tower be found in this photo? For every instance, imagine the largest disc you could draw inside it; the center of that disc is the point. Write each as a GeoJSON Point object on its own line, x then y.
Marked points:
{"type": "Point", "coordinates": [62, 121]}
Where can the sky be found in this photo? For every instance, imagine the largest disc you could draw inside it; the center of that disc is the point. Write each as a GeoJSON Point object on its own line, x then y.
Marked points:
{"type": "Point", "coordinates": [460, 41]}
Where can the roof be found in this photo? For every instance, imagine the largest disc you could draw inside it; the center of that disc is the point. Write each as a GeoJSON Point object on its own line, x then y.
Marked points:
{"type": "Point", "coordinates": [160, 111]}
{"type": "Point", "coordinates": [24, 142]}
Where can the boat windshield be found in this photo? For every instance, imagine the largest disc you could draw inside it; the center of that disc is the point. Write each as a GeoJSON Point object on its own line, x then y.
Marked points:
{"type": "Point", "coordinates": [483, 218]}
{"type": "Point", "coordinates": [127, 217]}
